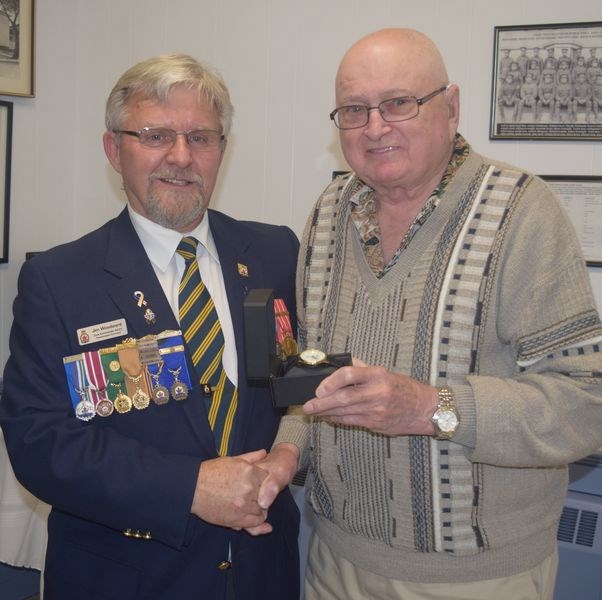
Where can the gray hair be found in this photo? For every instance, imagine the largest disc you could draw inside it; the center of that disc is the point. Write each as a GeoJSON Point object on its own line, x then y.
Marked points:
{"type": "Point", "coordinates": [154, 78]}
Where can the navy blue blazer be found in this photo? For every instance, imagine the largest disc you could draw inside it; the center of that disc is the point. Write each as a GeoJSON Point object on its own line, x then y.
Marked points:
{"type": "Point", "coordinates": [138, 470]}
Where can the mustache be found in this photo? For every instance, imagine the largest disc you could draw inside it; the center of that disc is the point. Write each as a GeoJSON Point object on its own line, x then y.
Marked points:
{"type": "Point", "coordinates": [178, 174]}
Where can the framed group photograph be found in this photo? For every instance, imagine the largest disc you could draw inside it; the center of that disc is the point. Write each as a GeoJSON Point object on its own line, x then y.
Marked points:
{"type": "Point", "coordinates": [6, 130]}
{"type": "Point", "coordinates": [17, 47]}
{"type": "Point", "coordinates": [582, 198]}
{"type": "Point", "coordinates": [547, 82]}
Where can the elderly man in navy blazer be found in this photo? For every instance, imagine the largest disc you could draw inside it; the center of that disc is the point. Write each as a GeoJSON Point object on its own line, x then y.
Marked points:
{"type": "Point", "coordinates": [145, 502]}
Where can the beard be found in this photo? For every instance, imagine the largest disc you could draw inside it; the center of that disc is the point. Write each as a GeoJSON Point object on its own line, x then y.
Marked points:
{"type": "Point", "coordinates": [176, 209]}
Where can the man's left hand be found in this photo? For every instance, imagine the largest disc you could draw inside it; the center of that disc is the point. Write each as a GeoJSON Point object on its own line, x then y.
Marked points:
{"type": "Point", "coordinates": [373, 397]}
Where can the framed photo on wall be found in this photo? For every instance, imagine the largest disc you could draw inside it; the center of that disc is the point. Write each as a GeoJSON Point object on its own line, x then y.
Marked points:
{"type": "Point", "coordinates": [6, 131]}
{"type": "Point", "coordinates": [582, 198]}
{"type": "Point", "coordinates": [17, 47]}
{"type": "Point", "coordinates": [547, 82]}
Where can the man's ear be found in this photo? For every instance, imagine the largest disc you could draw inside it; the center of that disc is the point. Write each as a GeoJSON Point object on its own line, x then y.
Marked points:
{"type": "Point", "coordinates": [453, 107]}
{"type": "Point", "coordinates": [111, 146]}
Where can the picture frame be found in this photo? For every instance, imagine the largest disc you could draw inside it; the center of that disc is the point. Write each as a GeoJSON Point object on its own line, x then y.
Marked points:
{"type": "Point", "coordinates": [6, 135]}
{"type": "Point", "coordinates": [582, 198]}
{"type": "Point", "coordinates": [547, 82]}
{"type": "Point", "coordinates": [17, 47]}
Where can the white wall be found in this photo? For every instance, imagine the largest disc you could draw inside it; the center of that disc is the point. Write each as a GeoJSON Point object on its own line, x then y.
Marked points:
{"type": "Point", "coordinates": [279, 59]}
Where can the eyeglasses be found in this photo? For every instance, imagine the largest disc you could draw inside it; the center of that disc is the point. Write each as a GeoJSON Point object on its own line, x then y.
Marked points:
{"type": "Point", "coordinates": [392, 110]}
{"type": "Point", "coordinates": [200, 140]}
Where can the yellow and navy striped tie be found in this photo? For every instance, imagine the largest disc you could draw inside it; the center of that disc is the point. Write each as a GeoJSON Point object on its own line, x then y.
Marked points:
{"type": "Point", "coordinates": [203, 333]}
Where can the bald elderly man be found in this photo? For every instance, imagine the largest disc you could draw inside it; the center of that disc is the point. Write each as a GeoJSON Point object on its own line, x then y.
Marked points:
{"type": "Point", "coordinates": [438, 461]}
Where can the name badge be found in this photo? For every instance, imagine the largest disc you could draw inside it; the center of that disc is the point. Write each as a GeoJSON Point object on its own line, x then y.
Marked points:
{"type": "Point", "coordinates": [101, 332]}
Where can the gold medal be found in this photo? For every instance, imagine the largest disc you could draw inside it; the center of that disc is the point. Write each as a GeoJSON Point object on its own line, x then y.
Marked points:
{"type": "Point", "coordinates": [123, 403]}
{"type": "Point", "coordinates": [140, 399]}
{"type": "Point", "coordinates": [114, 366]}
{"type": "Point", "coordinates": [136, 386]}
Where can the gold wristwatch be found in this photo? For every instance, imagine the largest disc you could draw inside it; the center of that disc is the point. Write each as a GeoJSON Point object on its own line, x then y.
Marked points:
{"type": "Point", "coordinates": [312, 357]}
{"type": "Point", "coordinates": [445, 419]}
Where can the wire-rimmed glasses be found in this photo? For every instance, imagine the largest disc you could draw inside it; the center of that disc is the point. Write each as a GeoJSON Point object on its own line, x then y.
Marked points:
{"type": "Point", "coordinates": [392, 110]}
{"type": "Point", "coordinates": [163, 137]}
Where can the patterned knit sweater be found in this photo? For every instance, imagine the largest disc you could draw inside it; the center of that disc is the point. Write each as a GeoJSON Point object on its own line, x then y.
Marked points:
{"type": "Point", "coordinates": [492, 298]}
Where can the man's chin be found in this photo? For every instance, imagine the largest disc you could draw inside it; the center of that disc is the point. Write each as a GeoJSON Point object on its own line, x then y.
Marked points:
{"type": "Point", "coordinates": [179, 214]}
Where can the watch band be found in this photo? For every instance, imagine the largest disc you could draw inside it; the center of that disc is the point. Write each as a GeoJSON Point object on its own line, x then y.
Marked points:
{"type": "Point", "coordinates": [445, 418]}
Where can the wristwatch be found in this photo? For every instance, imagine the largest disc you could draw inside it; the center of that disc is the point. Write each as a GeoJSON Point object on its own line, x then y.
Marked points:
{"type": "Point", "coordinates": [445, 419]}
{"type": "Point", "coordinates": [312, 357]}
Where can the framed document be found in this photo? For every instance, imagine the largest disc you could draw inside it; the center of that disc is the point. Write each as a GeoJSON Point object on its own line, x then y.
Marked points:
{"type": "Point", "coordinates": [582, 197]}
{"type": "Point", "coordinates": [547, 82]}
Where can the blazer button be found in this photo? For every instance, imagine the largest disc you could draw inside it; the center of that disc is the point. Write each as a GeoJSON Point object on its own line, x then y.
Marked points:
{"type": "Point", "coordinates": [224, 565]}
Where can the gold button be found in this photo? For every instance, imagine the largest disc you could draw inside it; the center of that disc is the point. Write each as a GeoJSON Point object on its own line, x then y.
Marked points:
{"type": "Point", "coordinates": [148, 536]}
{"type": "Point", "coordinates": [224, 565]}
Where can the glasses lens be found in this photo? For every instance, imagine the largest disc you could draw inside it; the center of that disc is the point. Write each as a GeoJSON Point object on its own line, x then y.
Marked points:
{"type": "Point", "coordinates": [348, 117]}
{"type": "Point", "coordinates": [399, 109]}
{"type": "Point", "coordinates": [162, 137]}
{"type": "Point", "coordinates": [203, 139]}
{"type": "Point", "coordinates": [157, 137]}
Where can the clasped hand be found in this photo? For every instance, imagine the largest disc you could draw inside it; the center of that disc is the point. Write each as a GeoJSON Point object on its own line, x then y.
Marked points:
{"type": "Point", "coordinates": [236, 491]}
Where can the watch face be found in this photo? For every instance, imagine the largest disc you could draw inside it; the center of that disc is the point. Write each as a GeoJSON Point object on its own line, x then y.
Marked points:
{"type": "Point", "coordinates": [312, 356]}
{"type": "Point", "coordinates": [447, 420]}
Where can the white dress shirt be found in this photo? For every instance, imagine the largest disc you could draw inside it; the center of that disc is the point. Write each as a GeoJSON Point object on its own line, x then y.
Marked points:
{"type": "Point", "coordinates": [160, 245]}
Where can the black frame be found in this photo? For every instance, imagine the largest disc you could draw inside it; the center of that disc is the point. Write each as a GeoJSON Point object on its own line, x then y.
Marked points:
{"type": "Point", "coordinates": [6, 135]}
{"type": "Point", "coordinates": [507, 120]}
{"type": "Point", "coordinates": [593, 255]}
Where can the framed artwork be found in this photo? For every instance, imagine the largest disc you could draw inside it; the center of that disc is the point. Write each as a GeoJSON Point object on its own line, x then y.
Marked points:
{"type": "Point", "coordinates": [16, 47]}
{"type": "Point", "coordinates": [547, 82]}
{"type": "Point", "coordinates": [6, 129]}
{"type": "Point", "coordinates": [582, 198]}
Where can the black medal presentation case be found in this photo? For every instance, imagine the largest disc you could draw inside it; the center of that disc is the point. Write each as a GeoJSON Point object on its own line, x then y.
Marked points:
{"type": "Point", "coordinates": [292, 381]}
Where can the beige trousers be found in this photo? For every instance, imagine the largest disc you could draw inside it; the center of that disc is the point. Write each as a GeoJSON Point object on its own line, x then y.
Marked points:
{"type": "Point", "coordinates": [330, 577]}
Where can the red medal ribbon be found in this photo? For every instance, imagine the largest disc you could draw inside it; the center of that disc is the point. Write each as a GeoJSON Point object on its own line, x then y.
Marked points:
{"type": "Point", "coordinates": [284, 329]}
{"type": "Point", "coordinates": [96, 376]}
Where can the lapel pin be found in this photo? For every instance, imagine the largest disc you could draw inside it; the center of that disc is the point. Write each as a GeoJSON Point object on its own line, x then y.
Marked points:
{"type": "Point", "coordinates": [243, 270]}
{"type": "Point", "coordinates": [149, 315]}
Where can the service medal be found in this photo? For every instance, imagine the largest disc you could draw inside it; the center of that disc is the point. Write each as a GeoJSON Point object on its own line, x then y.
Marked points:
{"type": "Point", "coordinates": [123, 403]}
{"type": "Point", "coordinates": [84, 410]}
{"type": "Point", "coordinates": [140, 399]}
{"type": "Point", "coordinates": [179, 390]}
{"type": "Point", "coordinates": [104, 408]}
{"type": "Point", "coordinates": [160, 394]}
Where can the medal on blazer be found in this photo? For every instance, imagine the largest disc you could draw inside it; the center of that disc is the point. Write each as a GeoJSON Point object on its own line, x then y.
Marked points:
{"type": "Point", "coordinates": [160, 392]}
{"type": "Point", "coordinates": [110, 363]}
{"type": "Point", "coordinates": [84, 409]}
{"type": "Point", "coordinates": [148, 349]}
{"type": "Point", "coordinates": [129, 359]}
{"type": "Point", "coordinates": [97, 383]}
{"type": "Point", "coordinates": [179, 390]}
{"type": "Point", "coordinates": [171, 349]}
{"type": "Point", "coordinates": [123, 403]}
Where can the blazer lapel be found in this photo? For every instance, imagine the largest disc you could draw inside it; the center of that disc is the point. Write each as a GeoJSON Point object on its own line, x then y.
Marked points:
{"type": "Point", "coordinates": [134, 279]}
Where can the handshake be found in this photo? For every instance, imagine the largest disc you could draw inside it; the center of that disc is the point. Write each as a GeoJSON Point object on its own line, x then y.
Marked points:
{"type": "Point", "coordinates": [237, 491]}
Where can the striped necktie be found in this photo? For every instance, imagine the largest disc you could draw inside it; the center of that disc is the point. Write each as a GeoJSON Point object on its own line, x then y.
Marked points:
{"type": "Point", "coordinates": [203, 333]}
